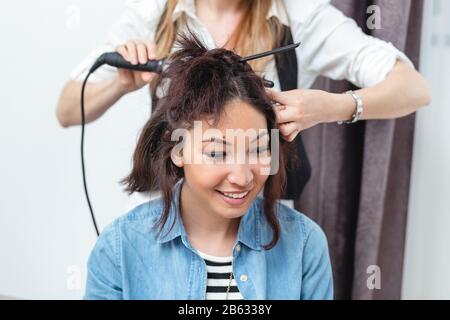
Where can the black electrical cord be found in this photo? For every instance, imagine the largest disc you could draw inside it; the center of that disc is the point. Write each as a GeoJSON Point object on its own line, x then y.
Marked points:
{"type": "Point", "coordinates": [83, 169]}
{"type": "Point", "coordinates": [116, 60]}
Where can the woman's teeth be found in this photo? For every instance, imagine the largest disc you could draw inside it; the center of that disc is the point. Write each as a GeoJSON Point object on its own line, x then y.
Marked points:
{"type": "Point", "coordinates": [235, 195]}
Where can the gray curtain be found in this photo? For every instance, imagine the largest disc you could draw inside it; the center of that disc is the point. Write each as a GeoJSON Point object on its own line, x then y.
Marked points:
{"type": "Point", "coordinates": [359, 187]}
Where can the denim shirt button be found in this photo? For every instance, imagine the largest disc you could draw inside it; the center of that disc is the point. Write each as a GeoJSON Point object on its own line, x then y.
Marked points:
{"type": "Point", "coordinates": [243, 277]}
{"type": "Point", "coordinates": [238, 247]}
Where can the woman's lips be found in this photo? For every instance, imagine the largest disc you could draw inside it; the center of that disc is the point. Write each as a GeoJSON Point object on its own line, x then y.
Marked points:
{"type": "Point", "coordinates": [239, 199]}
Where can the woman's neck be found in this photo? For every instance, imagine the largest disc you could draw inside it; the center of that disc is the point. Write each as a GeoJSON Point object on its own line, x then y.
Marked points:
{"type": "Point", "coordinates": [221, 18]}
{"type": "Point", "coordinates": [207, 232]}
{"type": "Point", "coordinates": [217, 8]}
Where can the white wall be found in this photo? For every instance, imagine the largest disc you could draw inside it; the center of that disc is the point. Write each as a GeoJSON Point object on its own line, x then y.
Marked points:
{"type": "Point", "coordinates": [427, 259]}
{"type": "Point", "coordinates": [45, 225]}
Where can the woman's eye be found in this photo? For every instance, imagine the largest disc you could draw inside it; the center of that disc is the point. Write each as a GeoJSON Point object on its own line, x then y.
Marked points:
{"type": "Point", "coordinates": [215, 154]}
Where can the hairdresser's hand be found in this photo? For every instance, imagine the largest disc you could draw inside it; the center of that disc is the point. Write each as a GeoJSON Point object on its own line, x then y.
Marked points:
{"type": "Point", "coordinates": [136, 52]}
{"type": "Point", "coordinates": [302, 109]}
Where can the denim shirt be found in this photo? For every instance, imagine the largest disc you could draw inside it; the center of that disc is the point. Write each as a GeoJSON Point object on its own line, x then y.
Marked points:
{"type": "Point", "coordinates": [129, 260]}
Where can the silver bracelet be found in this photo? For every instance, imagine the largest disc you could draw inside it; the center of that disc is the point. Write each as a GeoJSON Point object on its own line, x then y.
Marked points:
{"type": "Point", "coordinates": [358, 108]}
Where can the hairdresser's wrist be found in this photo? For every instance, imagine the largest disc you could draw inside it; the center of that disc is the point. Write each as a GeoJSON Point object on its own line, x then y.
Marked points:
{"type": "Point", "coordinates": [344, 107]}
{"type": "Point", "coordinates": [121, 88]}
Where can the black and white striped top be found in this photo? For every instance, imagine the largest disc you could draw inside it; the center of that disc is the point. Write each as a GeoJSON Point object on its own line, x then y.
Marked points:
{"type": "Point", "coordinates": [219, 270]}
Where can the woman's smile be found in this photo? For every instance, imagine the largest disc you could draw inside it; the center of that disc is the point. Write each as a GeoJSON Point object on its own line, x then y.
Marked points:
{"type": "Point", "coordinates": [234, 198]}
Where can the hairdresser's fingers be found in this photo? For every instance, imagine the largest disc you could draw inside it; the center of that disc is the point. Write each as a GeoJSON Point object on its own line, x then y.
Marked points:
{"type": "Point", "coordinates": [125, 76]}
{"type": "Point", "coordinates": [288, 129]}
{"type": "Point", "coordinates": [146, 76]}
{"type": "Point", "coordinates": [122, 50]}
{"type": "Point", "coordinates": [292, 136]}
{"type": "Point", "coordinates": [132, 51]}
{"type": "Point", "coordinates": [287, 113]}
{"type": "Point", "coordinates": [141, 52]}
{"type": "Point", "coordinates": [291, 97]}
{"type": "Point", "coordinates": [151, 49]}
{"type": "Point", "coordinates": [151, 55]}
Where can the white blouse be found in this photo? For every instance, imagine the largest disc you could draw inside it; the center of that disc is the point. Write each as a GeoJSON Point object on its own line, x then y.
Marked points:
{"type": "Point", "coordinates": [332, 44]}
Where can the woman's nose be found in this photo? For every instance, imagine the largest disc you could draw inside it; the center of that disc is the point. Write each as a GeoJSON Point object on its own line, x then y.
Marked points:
{"type": "Point", "coordinates": [241, 174]}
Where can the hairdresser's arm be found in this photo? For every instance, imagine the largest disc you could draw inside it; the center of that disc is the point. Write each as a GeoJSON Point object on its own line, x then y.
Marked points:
{"type": "Point", "coordinates": [402, 92]}
{"type": "Point", "coordinates": [99, 97]}
{"type": "Point", "coordinates": [136, 21]}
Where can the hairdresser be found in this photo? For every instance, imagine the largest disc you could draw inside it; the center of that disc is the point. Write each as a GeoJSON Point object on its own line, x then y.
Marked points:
{"type": "Point", "coordinates": [332, 46]}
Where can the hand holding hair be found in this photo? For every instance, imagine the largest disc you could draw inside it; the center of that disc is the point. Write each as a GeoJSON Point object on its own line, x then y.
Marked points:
{"type": "Point", "coordinates": [299, 109]}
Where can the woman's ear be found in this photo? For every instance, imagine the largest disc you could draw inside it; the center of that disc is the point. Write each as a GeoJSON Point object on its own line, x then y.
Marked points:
{"type": "Point", "coordinates": [176, 155]}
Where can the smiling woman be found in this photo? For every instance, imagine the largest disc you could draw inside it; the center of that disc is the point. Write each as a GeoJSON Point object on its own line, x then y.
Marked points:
{"type": "Point", "coordinates": [213, 87]}
{"type": "Point", "coordinates": [211, 223]}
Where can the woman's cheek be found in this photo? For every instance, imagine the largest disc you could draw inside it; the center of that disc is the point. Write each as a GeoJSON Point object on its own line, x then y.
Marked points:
{"type": "Point", "coordinates": [262, 168]}
{"type": "Point", "coordinates": [260, 174]}
{"type": "Point", "coordinates": [210, 174]}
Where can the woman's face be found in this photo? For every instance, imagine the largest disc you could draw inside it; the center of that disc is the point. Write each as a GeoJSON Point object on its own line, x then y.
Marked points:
{"type": "Point", "coordinates": [226, 166]}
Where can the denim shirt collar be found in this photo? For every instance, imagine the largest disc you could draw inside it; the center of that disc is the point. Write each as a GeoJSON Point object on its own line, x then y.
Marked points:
{"type": "Point", "coordinates": [249, 232]}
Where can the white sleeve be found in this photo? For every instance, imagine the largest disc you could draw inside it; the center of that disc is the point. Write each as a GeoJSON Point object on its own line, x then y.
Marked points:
{"type": "Point", "coordinates": [334, 46]}
{"type": "Point", "coordinates": [138, 21]}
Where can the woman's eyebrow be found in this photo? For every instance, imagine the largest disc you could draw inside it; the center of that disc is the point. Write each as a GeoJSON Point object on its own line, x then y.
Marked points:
{"type": "Point", "coordinates": [217, 139]}
{"type": "Point", "coordinates": [223, 141]}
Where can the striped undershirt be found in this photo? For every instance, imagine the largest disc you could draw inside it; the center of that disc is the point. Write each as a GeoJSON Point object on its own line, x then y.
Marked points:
{"type": "Point", "coordinates": [219, 270]}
